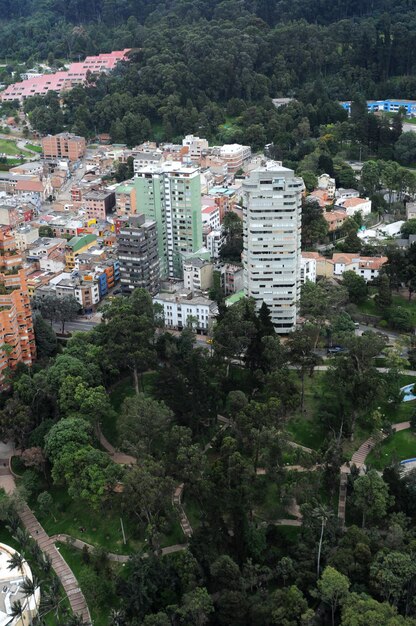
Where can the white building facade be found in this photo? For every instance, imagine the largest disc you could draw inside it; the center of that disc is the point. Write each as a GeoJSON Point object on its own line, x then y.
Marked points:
{"type": "Point", "coordinates": [307, 270]}
{"type": "Point", "coordinates": [182, 310]}
{"type": "Point", "coordinates": [272, 242]}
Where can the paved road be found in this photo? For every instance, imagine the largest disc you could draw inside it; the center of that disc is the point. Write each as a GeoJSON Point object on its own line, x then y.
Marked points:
{"type": "Point", "coordinates": [76, 325]}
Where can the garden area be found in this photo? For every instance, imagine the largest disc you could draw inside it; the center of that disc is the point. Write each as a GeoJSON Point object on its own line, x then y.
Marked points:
{"type": "Point", "coordinates": [9, 147]}
{"type": "Point", "coordinates": [369, 307]}
{"type": "Point", "coordinates": [96, 577]}
{"type": "Point", "coordinates": [394, 449]}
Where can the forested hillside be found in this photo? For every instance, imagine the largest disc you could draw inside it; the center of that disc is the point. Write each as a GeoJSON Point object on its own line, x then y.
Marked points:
{"type": "Point", "coordinates": [212, 67]}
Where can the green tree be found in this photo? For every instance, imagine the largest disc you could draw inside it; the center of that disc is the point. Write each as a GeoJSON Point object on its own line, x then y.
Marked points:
{"type": "Point", "coordinates": [393, 576]}
{"type": "Point", "coordinates": [196, 607]}
{"type": "Point", "coordinates": [405, 148]}
{"type": "Point", "coordinates": [45, 337]}
{"type": "Point", "coordinates": [356, 287]}
{"type": "Point", "coordinates": [90, 474]}
{"type": "Point", "coordinates": [45, 231]}
{"type": "Point", "coordinates": [333, 589]}
{"type": "Point", "coordinates": [143, 422]}
{"type": "Point", "coordinates": [289, 607]}
{"type": "Point", "coordinates": [408, 228]}
{"type": "Point", "coordinates": [70, 433]}
{"type": "Point", "coordinates": [128, 334]}
{"type": "Point", "coordinates": [371, 496]}
{"type": "Point", "coordinates": [361, 610]}
{"type": "Point", "coordinates": [300, 346]}
{"type": "Point", "coordinates": [147, 493]}
{"type": "Point", "coordinates": [314, 225]}
{"type": "Point", "coordinates": [370, 177]}
{"type": "Point", "coordinates": [383, 296]}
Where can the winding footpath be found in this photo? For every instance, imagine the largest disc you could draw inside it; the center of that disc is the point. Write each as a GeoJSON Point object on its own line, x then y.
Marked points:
{"type": "Point", "coordinates": [46, 544]}
{"type": "Point", "coordinates": [125, 459]}
{"type": "Point", "coordinates": [358, 459]}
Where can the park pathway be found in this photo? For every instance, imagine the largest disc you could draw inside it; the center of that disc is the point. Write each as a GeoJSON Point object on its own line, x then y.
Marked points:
{"type": "Point", "coordinates": [125, 459]}
{"type": "Point", "coordinates": [358, 459]}
{"type": "Point", "coordinates": [116, 558]}
{"type": "Point", "coordinates": [46, 544]}
{"type": "Point", "coordinates": [63, 571]}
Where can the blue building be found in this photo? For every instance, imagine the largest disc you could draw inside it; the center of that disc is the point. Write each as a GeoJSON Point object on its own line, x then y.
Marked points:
{"type": "Point", "coordinates": [390, 106]}
{"type": "Point", "coordinates": [102, 285]}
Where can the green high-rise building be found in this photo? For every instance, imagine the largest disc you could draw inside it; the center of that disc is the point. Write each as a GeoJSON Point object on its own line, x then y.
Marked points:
{"type": "Point", "coordinates": [170, 194]}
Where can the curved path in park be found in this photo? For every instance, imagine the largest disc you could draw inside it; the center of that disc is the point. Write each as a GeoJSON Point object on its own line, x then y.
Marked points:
{"type": "Point", "coordinates": [46, 544]}
{"type": "Point", "coordinates": [126, 459]}
{"type": "Point", "coordinates": [358, 459]}
{"type": "Point", "coordinates": [116, 558]}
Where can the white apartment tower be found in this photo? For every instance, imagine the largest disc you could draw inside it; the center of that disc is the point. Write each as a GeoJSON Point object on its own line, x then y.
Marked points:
{"type": "Point", "coordinates": [272, 247]}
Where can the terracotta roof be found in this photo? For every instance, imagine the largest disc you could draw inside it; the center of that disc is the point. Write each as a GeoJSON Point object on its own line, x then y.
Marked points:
{"type": "Point", "coordinates": [29, 185]}
{"type": "Point", "coordinates": [352, 202]}
{"type": "Point", "coordinates": [371, 262]}
{"type": "Point", "coordinates": [344, 257]}
{"type": "Point", "coordinates": [331, 216]}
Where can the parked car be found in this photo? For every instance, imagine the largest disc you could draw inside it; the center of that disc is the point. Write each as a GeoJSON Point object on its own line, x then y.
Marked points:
{"type": "Point", "coordinates": [336, 350]}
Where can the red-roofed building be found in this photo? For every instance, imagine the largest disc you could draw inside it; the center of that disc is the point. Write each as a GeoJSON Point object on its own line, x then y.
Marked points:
{"type": "Point", "coordinates": [321, 195]}
{"type": "Point", "coordinates": [335, 220]}
{"type": "Point", "coordinates": [354, 205]}
{"type": "Point", "coordinates": [64, 80]}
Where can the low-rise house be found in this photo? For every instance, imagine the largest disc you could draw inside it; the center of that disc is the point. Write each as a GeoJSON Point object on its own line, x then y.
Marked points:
{"type": "Point", "coordinates": [232, 278]}
{"type": "Point", "coordinates": [307, 269]}
{"type": "Point", "coordinates": [76, 246]}
{"type": "Point", "coordinates": [197, 274]}
{"type": "Point", "coordinates": [321, 196]}
{"type": "Point", "coordinates": [354, 205]}
{"type": "Point", "coordinates": [327, 183]}
{"type": "Point", "coordinates": [25, 236]}
{"type": "Point", "coordinates": [211, 216]}
{"type": "Point", "coordinates": [366, 267]}
{"type": "Point", "coordinates": [184, 309]}
{"type": "Point", "coordinates": [411, 210]}
{"type": "Point", "coordinates": [335, 220]}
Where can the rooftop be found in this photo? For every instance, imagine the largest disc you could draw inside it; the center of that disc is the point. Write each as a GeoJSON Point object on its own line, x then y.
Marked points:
{"type": "Point", "coordinates": [10, 586]}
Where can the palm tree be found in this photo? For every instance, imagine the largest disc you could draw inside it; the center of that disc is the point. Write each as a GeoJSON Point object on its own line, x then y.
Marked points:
{"type": "Point", "coordinates": [17, 609]}
{"type": "Point", "coordinates": [16, 561]}
{"type": "Point", "coordinates": [117, 617]}
{"type": "Point", "coordinates": [324, 515]}
{"type": "Point", "coordinates": [29, 587]}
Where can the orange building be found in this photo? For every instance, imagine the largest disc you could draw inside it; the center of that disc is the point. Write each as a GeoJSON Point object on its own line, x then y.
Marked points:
{"type": "Point", "coordinates": [63, 146]}
{"type": "Point", "coordinates": [17, 337]}
{"type": "Point", "coordinates": [10, 257]}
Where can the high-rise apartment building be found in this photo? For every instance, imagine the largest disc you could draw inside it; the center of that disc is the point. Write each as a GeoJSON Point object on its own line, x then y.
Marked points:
{"type": "Point", "coordinates": [170, 194]}
{"type": "Point", "coordinates": [138, 255]}
{"type": "Point", "coordinates": [17, 337]}
{"type": "Point", "coordinates": [63, 146]}
{"type": "Point", "coordinates": [272, 248]}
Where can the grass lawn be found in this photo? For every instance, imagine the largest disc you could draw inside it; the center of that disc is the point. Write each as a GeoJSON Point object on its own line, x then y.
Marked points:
{"type": "Point", "coordinates": [9, 147]}
{"type": "Point", "coordinates": [102, 528]}
{"type": "Point", "coordinates": [369, 307]}
{"type": "Point", "coordinates": [267, 505]}
{"type": "Point", "coordinates": [99, 613]}
{"type": "Point", "coordinates": [193, 511]}
{"type": "Point", "coordinates": [395, 448]}
{"type": "Point", "coordinates": [35, 148]}
{"type": "Point", "coordinates": [305, 428]}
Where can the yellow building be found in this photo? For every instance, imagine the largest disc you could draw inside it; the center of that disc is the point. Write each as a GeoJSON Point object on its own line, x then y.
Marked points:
{"type": "Point", "coordinates": [76, 246]}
